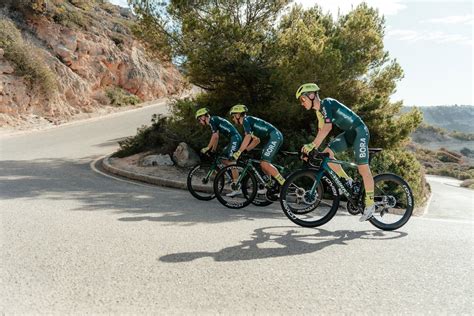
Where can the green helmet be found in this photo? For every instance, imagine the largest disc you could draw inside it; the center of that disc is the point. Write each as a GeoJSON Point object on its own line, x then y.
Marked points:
{"type": "Point", "coordinates": [307, 87]}
{"type": "Point", "coordinates": [239, 108]}
{"type": "Point", "coordinates": [201, 112]}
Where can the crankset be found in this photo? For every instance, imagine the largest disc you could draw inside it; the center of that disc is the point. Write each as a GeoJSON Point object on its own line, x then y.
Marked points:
{"type": "Point", "coordinates": [352, 209]}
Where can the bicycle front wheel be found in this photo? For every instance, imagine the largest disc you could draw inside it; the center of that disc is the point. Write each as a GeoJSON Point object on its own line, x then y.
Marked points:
{"type": "Point", "coordinates": [233, 194]}
{"type": "Point", "coordinates": [200, 181]}
{"type": "Point", "coordinates": [394, 202]}
{"type": "Point", "coordinates": [305, 208]}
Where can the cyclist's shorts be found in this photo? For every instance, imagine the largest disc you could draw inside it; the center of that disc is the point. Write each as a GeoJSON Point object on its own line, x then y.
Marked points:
{"type": "Point", "coordinates": [233, 146]}
{"type": "Point", "coordinates": [271, 148]}
{"type": "Point", "coordinates": [358, 138]}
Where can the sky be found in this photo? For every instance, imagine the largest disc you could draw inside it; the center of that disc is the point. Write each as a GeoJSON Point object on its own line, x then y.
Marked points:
{"type": "Point", "coordinates": [431, 40]}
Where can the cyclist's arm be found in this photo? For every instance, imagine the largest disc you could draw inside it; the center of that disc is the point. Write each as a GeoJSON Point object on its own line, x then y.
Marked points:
{"type": "Point", "coordinates": [214, 141]}
{"type": "Point", "coordinates": [322, 133]}
{"type": "Point", "coordinates": [245, 142]}
{"type": "Point", "coordinates": [255, 141]}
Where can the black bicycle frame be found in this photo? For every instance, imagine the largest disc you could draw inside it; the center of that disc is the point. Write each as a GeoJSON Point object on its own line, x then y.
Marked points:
{"type": "Point", "coordinates": [324, 167]}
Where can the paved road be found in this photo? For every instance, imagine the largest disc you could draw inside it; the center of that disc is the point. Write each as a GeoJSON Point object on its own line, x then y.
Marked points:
{"type": "Point", "coordinates": [449, 200]}
{"type": "Point", "coordinates": [74, 241]}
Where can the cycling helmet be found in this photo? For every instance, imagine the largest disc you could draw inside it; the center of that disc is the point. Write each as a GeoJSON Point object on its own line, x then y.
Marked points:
{"type": "Point", "coordinates": [201, 112]}
{"type": "Point", "coordinates": [305, 88]}
{"type": "Point", "coordinates": [239, 108]}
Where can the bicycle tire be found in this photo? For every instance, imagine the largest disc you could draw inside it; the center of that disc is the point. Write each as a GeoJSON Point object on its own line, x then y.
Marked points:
{"type": "Point", "coordinates": [302, 217]}
{"type": "Point", "coordinates": [220, 192]}
{"type": "Point", "coordinates": [407, 193]}
{"type": "Point", "coordinates": [192, 187]}
{"type": "Point", "coordinates": [257, 201]}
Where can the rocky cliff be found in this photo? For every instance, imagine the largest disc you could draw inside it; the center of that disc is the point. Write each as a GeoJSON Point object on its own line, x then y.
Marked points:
{"type": "Point", "coordinates": [62, 58]}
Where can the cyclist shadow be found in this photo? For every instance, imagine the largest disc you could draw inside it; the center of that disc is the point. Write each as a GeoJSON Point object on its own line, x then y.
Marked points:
{"type": "Point", "coordinates": [278, 241]}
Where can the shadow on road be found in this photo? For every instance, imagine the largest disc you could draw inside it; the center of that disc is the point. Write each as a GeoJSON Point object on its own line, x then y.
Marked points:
{"type": "Point", "coordinates": [64, 180]}
{"type": "Point", "coordinates": [270, 242]}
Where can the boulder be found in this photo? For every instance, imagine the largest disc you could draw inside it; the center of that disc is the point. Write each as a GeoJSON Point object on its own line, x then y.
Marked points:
{"type": "Point", "coordinates": [157, 160]}
{"type": "Point", "coordinates": [185, 156]}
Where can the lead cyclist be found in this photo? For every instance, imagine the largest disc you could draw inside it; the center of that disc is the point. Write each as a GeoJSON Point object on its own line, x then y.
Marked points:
{"type": "Point", "coordinates": [355, 134]}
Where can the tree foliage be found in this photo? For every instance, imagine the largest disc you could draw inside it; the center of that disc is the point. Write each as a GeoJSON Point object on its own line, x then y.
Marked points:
{"type": "Point", "coordinates": [258, 52]}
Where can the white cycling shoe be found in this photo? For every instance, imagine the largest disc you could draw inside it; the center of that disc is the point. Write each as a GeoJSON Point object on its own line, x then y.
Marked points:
{"type": "Point", "coordinates": [368, 212]}
{"type": "Point", "coordinates": [233, 193]}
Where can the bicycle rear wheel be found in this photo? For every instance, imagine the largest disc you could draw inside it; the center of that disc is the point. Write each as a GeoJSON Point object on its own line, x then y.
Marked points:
{"type": "Point", "coordinates": [394, 202]}
{"type": "Point", "coordinates": [305, 209]}
{"type": "Point", "coordinates": [260, 199]}
{"type": "Point", "coordinates": [200, 181]}
{"type": "Point", "coordinates": [235, 195]}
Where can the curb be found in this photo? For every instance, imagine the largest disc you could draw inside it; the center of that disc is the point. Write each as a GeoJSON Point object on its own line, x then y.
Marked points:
{"type": "Point", "coordinates": [142, 177]}
{"type": "Point", "coordinates": [423, 210]}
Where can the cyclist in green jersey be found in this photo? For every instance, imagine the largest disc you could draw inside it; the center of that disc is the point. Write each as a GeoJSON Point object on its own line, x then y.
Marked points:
{"type": "Point", "coordinates": [355, 134]}
{"type": "Point", "coordinates": [219, 125]}
{"type": "Point", "coordinates": [256, 129]}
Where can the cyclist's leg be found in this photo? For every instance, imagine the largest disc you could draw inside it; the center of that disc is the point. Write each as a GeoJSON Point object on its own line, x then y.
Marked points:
{"type": "Point", "coordinates": [268, 154]}
{"type": "Point", "coordinates": [361, 153]}
{"type": "Point", "coordinates": [229, 150]}
{"type": "Point", "coordinates": [339, 144]}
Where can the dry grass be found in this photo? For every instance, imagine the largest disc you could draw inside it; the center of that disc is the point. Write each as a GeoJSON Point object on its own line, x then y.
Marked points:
{"type": "Point", "coordinates": [26, 58]}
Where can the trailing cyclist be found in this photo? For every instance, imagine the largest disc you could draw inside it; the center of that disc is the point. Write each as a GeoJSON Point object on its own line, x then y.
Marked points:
{"type": "Point", "coordinates": [219, 125]}
{"type": "Point", "coordinates": [256, 129]}
{"type": "Point", "coordinates": [355, 134]}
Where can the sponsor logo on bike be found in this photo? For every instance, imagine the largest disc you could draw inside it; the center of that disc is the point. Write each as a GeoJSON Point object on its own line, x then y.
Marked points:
{"type": "Point", "coordinates": [407, 190]}
{"type": "Point", "coordinates": [342, 189]}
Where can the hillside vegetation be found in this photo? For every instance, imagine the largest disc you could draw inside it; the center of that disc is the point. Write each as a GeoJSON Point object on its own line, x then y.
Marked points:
{"type": "Point", "coordinates": [60, 58]}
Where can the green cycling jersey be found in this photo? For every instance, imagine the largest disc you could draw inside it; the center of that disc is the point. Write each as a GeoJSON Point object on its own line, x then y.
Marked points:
{"type": "Point", "coordinates": [258, 127]}
{"type": "Point", "coordinates": [333, 111]}
{"type": "Point", "coordinates": [218, 124]}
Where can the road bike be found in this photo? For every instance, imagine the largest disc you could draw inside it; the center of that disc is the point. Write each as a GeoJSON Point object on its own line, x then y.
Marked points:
{"type": "Point", "coordinates": [311, 196]}
{"type": "Point", "coordinates": [201, 177]}
{"type": "Point", "coordinates": [250, 183]}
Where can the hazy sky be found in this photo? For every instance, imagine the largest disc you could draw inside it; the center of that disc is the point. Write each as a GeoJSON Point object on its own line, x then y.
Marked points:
{"type": "Point", "coordinates": [432, 41]}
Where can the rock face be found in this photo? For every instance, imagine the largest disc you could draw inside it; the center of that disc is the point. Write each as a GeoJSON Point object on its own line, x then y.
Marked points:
{"type": "Point", "coordinates": [185, 156]}
{"type": "Point", "coordinates": [86, 61]}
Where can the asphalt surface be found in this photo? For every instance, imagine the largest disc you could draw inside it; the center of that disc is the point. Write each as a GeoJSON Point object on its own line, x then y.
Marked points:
{"type": "Point", "coordinates": [76, 241]}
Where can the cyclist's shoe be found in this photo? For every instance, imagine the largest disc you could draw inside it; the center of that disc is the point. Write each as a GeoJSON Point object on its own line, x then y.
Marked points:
{"type": "Point", "coordinates": [368, 212]}
{"type": "Point", "coordinates": [233, 193]}
{"type": "Point", "coordinates": [235, 190]}
{"type": "Point", "coordinates": [262, 191]}
{"type": "Point", "coordinates": [273, 193]}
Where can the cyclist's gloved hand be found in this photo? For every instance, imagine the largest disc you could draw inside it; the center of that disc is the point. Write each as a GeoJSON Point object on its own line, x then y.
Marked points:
{"type": "Point", "coordinates": [205, 150]}
{"type": "Point", "coordinates": [308, 147]}
{"type": "Point", "coordinates": [236, 155]}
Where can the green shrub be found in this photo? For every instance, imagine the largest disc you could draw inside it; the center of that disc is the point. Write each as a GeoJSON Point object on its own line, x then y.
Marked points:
{"type": "Point", "coordinates": [120, 97]}
{"type": "Point", "coordinates": [404, 164]}
{"type": "Point", "coordinates": [157, 138]}
{"type": "Point", "coordinates": [26, 58]}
